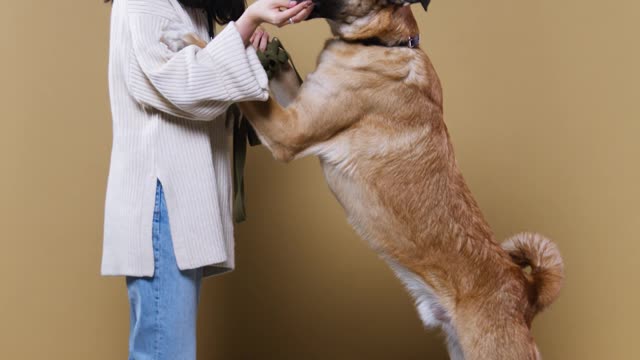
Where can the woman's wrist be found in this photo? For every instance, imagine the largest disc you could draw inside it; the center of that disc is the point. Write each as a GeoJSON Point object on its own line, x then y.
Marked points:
{"type": "Point", "coordinates": [246, 26]}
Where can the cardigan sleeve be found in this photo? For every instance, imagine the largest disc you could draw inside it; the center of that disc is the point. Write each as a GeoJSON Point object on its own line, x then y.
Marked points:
{"type": "Point", "coordinates": [193, 83]}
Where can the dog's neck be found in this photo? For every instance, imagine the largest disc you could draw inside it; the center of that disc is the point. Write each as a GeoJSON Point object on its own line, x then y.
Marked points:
{"type": "Point", "coordinates": [411, 42]}
{"type": "Point", "coordinates": [390, 26]}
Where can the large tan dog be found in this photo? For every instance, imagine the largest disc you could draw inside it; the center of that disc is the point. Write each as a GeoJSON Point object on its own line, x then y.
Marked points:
{"type": "Point", "coordinates": [372, 112]}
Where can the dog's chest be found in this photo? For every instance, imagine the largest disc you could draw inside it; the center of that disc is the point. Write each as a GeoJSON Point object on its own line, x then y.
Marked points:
{"type": "Point", "coordinates": [351, 162]}
{"type": "Point", "coordinates": [360, 205]}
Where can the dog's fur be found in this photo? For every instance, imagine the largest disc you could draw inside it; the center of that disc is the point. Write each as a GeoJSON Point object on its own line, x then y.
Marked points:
{"type": "Point", "coordinates": [373, 114]}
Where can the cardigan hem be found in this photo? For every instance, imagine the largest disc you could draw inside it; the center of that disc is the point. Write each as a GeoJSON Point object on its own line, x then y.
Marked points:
{"type": "Point", "coordinates": [208, 270]}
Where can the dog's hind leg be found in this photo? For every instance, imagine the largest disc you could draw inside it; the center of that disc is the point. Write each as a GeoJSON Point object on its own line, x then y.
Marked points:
{"type": "Point", "coordinates": [453, 344]}
{"type": "Point", "coordinates": [431, 312]}
{"type": "Point", "coordinates": [494, 337]}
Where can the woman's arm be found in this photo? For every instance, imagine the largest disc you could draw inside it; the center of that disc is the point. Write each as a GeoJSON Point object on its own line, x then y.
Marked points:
{"type": "Point", "coordinates": [194, 83]}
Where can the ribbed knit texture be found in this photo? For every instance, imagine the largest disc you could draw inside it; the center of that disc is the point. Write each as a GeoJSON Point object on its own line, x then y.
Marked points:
{"type": "Point", "coordinates": [170, 120]}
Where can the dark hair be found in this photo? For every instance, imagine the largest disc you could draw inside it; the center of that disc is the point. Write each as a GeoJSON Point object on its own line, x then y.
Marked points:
{"type": "Point", "coordinates": [222, 11]}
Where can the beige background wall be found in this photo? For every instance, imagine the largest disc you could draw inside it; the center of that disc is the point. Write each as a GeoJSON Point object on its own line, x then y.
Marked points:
{"type": "Point", "coordinates": [541, 98]}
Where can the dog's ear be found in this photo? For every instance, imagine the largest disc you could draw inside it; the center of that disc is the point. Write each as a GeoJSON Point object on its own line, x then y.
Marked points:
{"type": "Point", "coordinates": [425, 3]}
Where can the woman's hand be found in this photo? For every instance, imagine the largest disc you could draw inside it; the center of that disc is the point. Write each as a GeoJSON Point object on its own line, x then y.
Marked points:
{"type": "Point", "coordinates": [260, 39]}
{"type": "Point", "coordinates": [275, 12]}
{"type": "Point", "coordinates": [278, 12]}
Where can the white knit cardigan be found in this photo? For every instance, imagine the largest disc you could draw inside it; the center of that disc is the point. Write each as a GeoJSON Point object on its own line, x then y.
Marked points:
{"type": "Point", "coordinates": [170, 122]}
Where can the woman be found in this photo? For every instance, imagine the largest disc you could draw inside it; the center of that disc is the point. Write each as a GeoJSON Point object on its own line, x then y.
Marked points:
{"type": "Point", "coordinates": [168, 201]}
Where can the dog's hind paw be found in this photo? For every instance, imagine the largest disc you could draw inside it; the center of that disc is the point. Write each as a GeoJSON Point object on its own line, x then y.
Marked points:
{"type": "Point", "coordinates": [178, 36]}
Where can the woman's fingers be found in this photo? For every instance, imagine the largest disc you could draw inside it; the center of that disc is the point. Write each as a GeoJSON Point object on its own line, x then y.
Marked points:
{"type": "Point", "coordinates": [285, 3]}
{"type": "Point", "coordinates": [283, 17]}
{"type": "Point", "coordinates": [264, 40]}
{"type": "Point", "coordinates": [260, 39]}
{"type": "Point", "coordinates": [255, 38]}
{"type": "Point", "coordinates": [302, 15]}
{"type": "Point", "coordinates": [278, 12]}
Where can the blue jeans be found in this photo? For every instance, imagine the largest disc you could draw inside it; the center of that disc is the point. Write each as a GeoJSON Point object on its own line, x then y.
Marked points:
{"type": "Point", "coordinates": [163, 308]}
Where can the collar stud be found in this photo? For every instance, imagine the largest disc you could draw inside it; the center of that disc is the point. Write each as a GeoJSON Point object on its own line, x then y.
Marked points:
{"type": "Point", "coordinates": [414, 41]}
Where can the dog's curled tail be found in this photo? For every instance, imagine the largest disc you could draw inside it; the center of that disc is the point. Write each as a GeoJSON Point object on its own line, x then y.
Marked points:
{"type": "Point", "coordinates": [547, 269]}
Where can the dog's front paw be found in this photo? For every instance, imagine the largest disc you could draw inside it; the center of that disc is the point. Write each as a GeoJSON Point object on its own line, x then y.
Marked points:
{"type": "Point", "coordinates": [178, 36]}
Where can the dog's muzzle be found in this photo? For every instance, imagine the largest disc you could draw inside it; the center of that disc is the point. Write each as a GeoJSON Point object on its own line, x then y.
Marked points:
{"type": "Point", "coordinates": [328, 9]}
{"type": "Point", "coordinates": [425, 3]}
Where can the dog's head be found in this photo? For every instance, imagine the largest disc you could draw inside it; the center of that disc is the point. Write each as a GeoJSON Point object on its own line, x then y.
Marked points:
{"type": "Point", "coordinates": [345, 10]}
{"type": "Point", "coordinates": [353, 19]}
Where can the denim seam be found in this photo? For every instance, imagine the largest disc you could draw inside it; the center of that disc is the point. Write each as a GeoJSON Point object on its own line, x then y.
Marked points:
{"type": "Point", "coordinates": [156, 211]}
{"type": "Point", "coordinates": [157, 260]}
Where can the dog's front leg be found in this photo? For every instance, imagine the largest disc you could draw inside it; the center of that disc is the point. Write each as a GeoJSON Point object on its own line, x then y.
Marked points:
{"type": "Point", "coordinates": [285, 85]}
{"type": "Point", "coordinates": [318, 112]}
{"type": "Point", "coordinates": [280, 129]}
